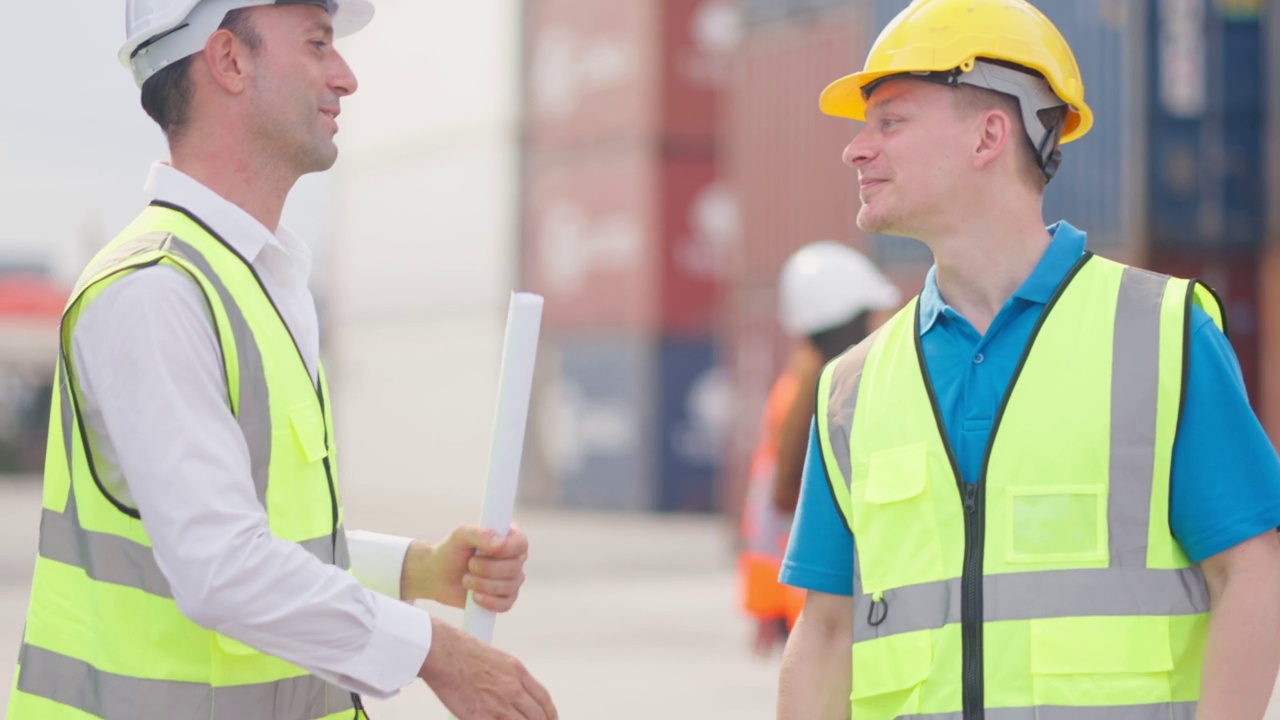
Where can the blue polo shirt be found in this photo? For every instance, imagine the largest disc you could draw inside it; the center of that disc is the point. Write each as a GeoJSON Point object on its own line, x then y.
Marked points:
{"type": "Point", "coordinates": [1225, 485]}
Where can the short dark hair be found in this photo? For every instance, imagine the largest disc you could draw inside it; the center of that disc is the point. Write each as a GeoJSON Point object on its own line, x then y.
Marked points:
{"type": "Point", "coordinates": [166, 96]}
{"type": "Point", "coordinates": [975, 100]}
{"type": "Point", "coordinates": [833, 341]}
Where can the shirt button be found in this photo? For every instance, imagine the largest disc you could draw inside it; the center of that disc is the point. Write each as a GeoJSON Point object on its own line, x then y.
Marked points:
{"type": "Point", "coordinates": [977, 359]}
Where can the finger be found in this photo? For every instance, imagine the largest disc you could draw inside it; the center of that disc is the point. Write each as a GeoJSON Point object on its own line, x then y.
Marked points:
{"type": "Point", "coordinates": [496, 568]}
{"type": "Point", "coordinates": [515, 544]}
{"type": "Point", "coordinates": [529, 708]}
{"type": "Point", "coordinates": [498, 604]}
{"type": "Point", "coordinates": [540, 695]}
{"type": "Point", "coordinates": [487, 586]}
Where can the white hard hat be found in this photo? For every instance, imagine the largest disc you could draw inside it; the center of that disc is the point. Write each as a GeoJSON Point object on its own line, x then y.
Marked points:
{"type": "Point", "coordinates": [826, 284]}
{"type": "Point", "coordinates": [162, 32]}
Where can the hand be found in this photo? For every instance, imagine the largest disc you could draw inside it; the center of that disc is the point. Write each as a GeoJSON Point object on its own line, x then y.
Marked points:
{"type": "Point", "coordinates": [478, 682]}
{"type": "Point", "coordinates": [471, 558]}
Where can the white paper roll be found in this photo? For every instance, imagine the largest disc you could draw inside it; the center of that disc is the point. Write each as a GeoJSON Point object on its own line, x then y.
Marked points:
{"type": "Point", "coordinates": [515, 385]}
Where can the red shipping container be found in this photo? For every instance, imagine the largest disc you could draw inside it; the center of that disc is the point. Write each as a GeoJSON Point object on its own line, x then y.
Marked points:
{"type": "Point", "coordinates": [1268, 406]}
{"type": "Point", "coordinates": [600, 72]}
{"type": "Point", "coordinates": [623, 238]}
{"type": "Point", "coordinates": [785, 156]}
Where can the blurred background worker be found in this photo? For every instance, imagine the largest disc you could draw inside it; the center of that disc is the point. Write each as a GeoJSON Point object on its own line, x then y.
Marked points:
{"type": "Point", "coordinates": [827, 292]}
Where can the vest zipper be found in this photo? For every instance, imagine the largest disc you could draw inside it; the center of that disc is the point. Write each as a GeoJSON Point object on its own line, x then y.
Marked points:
{"type": "Point", "coordinates": [971, 598]}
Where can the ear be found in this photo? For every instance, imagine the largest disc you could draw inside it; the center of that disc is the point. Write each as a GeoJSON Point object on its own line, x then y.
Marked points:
{"type": "Point", "coordinates": [228, 61]}
{"type": "Point", "coordinates": [995, 130]}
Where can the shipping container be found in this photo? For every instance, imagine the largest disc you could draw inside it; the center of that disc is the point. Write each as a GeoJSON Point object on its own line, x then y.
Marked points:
{"type": "Point", "coordinates": [785, 158]}
{"type": "Point", "coordinates": [626, 422]}
{"type": "Point", "coordinates": [602, 72]}
{"type": "Point", "coordinates": [753, 354]}
{"type": "Point", "coordinates": [1268, 405]}
{"type": "Point", "coordinates": [627, 238]}
{"type": "Point", "coordinates": [1234, 276]}
{"type": "Point", "coordinates": [1205, 124]}
{"type": "Point", "coordinates": [765, 11]}
{"type": "Point", "coordinates": [1271, 150]}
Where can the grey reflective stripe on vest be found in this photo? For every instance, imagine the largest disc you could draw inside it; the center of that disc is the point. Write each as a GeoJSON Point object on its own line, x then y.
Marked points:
{"type": "Point", "coordinates": [118, 560]}
{"type": "Point", "coordinates": [1023, 596]}
{"type": "Point", "coordinates": [1135, 387]}
{"type": "Point", "coordinates": [80, 685]}
{"type": "Point", "coordinates": [1157, 711]}
{"type": "Point", "coordinates": [1033, 595]}
{"type": "Point", "coordinates": [841, 399]}
{"type": "Point", "coordinates": [254, 411]}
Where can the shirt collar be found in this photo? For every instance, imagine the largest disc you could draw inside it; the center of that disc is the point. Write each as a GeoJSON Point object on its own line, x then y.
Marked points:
{"type": "Point", "coordinates": [1065, 249]}
{"type": "Point", "coordinates": [238, 228]}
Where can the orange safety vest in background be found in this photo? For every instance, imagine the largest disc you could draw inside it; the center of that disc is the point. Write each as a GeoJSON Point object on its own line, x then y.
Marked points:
{"type": "Point", "coordinates": [765, 529]}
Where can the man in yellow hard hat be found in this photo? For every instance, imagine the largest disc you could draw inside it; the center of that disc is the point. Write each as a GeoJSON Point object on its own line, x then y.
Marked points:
{"type": "Point", "coordinates": [1038, 491]}
{"type": "Point", "coordinates": [193, 559]}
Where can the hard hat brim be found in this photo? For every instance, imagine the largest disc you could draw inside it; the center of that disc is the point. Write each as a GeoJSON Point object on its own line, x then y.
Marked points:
{"type": "Point", "coordinates": [843, 98]}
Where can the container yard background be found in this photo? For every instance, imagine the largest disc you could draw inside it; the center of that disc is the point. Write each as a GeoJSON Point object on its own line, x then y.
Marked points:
{"type": "Point", "coordinates": [646, 165]}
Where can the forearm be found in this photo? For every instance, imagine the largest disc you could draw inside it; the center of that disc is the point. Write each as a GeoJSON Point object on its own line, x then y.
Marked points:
{"type": "Point", "coordinates": [1241, 656]}
{"type": "Point", "coordinates": [816, 673]}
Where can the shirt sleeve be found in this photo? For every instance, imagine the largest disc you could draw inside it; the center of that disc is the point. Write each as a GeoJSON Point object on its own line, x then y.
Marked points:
{"type": "Point", "coordinates": [1225, 479]}
{"type": "Point", "coordinates": [150, 376]}
{"type": "Point", "coordinates": [820, 552]}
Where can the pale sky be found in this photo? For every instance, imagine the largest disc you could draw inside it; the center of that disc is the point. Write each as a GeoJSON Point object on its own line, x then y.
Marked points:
{"type": "Point", "coordinates": [75, 144]}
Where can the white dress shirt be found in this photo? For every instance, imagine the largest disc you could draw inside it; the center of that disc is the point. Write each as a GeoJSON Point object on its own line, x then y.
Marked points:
{"type": "Point", "coordinates": [154, 402]}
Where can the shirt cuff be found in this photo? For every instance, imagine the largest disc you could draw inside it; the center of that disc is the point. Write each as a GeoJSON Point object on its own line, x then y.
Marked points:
{"type": "Point", "coordinates": [396, 650]}
{"type": "Point", "coordinates": [377, 560]}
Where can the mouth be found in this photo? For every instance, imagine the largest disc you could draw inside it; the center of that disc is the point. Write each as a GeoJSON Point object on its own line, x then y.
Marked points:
{"type": "Point", "coordinates": [866, 185]}
{"type": "Point", "coordinates": [332, 114]}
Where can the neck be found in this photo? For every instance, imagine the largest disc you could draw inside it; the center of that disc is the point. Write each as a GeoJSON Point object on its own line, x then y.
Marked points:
{"type": "Point", "coordinates": [223, 165]}
{"type": "Point", "coordinates": [984, 260]}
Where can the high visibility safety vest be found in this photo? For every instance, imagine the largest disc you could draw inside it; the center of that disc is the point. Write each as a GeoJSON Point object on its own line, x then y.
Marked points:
{"type": "Point", "coordinates": [765, 529]}
{"type": "Point", "coordinates": [104, 637]}
{"type": "Point", "coordinates": [1052, 588]}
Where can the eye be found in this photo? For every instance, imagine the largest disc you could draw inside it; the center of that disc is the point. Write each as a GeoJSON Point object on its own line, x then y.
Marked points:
{"type": "Point", "coordinates": [888, 123]}
{"type": "Point", "coordinates": [320, 44]}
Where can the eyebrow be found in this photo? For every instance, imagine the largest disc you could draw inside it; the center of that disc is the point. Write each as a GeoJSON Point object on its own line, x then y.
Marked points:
{"type": "Point", "coordinates": [882, 106]}
{"type": "Point", "coordinates": [325, 26]}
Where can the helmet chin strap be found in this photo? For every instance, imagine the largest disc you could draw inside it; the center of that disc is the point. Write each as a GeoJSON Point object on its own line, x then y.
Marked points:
{"type": "Point", "coordinates": [1041, 108]}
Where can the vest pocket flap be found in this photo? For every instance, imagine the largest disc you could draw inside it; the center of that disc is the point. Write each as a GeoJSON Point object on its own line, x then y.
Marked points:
{"type": "Point", "coordinates": [1093, 645]}
{"type": "Point", "coordinates": [890, 664]}
{"type": "Point", "coordinates": [898, 474]}
{"type": "Point", "coordinates": [308, 430]}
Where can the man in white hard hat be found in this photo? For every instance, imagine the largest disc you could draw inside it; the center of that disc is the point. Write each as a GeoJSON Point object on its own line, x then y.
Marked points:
{"type": "Point", "coordinates": [827, 293]}
{"type": "Point", "coordinates": [193, 561]}
{"type": "Point", "coordinates": [1039, 491]}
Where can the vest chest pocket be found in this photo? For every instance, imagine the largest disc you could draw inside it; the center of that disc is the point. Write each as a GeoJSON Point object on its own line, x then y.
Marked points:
{"type": "Point", "coordinates": [895, 527]}
{"type": "Point", "coordinates": [1057, 524]}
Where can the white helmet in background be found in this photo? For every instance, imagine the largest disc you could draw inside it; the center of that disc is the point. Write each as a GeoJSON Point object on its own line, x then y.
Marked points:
{"type": "Point", "coordinates": [162, 32]}
{"type": "Point", "coordinates": [826, 284]}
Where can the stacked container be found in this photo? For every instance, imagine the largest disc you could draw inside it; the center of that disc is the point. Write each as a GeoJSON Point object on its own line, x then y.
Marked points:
{"type": "Point", "coordinates": [1269, 287]}
{"type": "Point", "coordinates": [626, 231]}
{"type": "Point", "coordinates": [1206, 118]}
{"type": "Point", "coordinates": [786, 168]}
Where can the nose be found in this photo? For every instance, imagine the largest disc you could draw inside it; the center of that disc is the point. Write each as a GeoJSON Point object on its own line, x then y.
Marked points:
{"type": "Point", "coordinates": [344, 80]}
{"type": "Point", "coordinates": [859, 151]}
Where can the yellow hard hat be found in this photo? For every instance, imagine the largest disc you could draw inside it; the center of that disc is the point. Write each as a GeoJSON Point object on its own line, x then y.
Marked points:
{"type": "Point", "coordinates": [946, 35]}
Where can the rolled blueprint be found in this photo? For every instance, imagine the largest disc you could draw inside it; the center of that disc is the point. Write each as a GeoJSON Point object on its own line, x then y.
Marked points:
{"type": "Point", "coordinates": [515, 384]}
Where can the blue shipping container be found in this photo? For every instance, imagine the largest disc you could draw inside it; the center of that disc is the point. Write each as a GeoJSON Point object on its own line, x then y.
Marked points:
{"type": "Point", "coordinates": [1207, 116]}
{"type": "Point", "coordinates": [625, 422]}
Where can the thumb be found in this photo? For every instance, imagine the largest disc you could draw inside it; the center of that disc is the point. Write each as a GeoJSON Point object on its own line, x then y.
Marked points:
{"type": "Point", "coordinates": [474, 536]}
